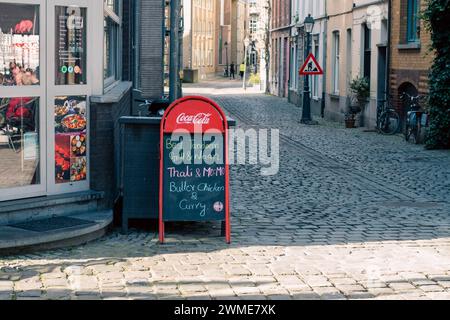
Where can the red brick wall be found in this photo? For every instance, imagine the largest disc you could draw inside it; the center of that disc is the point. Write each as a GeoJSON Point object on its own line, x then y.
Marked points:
{"type": "Point", "coordinates": [408, 65]}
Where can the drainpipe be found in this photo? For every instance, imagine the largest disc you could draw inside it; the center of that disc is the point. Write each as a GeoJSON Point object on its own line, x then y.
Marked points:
{"type": "Point", "coordinates": [136, 43]}
{"type": "Point", "coordinates": [324, 63]}
{"type": "Point", "coordinates": [174, 50]}
{"type": "Point", "coordinates": [388, 49]}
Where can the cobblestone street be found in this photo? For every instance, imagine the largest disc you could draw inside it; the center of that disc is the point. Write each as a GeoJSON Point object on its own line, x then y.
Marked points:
{"type": "Point", "coordinates": [350, 215]}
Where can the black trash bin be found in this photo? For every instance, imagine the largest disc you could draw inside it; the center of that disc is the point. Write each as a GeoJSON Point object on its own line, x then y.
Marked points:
{"type": "Point", "coordinates": [139, 168]}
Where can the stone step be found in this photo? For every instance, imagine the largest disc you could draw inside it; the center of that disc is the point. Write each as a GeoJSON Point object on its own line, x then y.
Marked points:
{"type": "Point", "coordinates": [55, 232]}
{"type": "Point", "coordinates": [16, 211]}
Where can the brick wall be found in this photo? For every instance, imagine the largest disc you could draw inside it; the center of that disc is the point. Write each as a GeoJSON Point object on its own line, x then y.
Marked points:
{"type": "Point", "coordinates": [104, 144]}
{"type": "Point", "coordinates": [408, 65]}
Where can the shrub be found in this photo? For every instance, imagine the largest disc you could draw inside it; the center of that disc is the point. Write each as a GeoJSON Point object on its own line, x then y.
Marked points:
{"type": "Point", "coordinates": [360, 88]}
{"type": "Point", "coordinates": [437, 16]}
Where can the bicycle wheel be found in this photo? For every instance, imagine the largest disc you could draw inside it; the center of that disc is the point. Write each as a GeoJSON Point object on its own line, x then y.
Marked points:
{"type": "Point", "coordinates": [416, 135]}
{"type": "Point", "coordinates": [412, 136]}
{"type": "Point", "coordinates": [389, 122]}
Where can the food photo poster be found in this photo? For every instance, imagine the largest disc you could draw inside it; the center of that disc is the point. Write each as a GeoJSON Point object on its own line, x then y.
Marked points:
{"type": "Point", "coordinates": [70, 139]}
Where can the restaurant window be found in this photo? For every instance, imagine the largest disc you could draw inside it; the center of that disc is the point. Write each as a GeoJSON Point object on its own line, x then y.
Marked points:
{"type": "Point", "coordinates": [19, 44]}
{"type": "Point", "coordinates": [19, 114]}
{"type": "Point", "coordinates": [412, 30]}
{"type": "Point", "coordinates": [112, 43]}
{"type": "Point", "coordinates": [19, 142]}
{"type": "Point", "coordinates": [71, 49]}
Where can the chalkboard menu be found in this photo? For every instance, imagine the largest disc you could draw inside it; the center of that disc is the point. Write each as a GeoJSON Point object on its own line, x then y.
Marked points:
{"type": "Point", "coordinates": [193, 192]}
{"type": "Point", "coordinates": [194, 174]}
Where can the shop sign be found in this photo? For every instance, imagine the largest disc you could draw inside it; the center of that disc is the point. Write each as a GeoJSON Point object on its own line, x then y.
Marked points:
{"type": "Point", "coordinates": [194, 173]}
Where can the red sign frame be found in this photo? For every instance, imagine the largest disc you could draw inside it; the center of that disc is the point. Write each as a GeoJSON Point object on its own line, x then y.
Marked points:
{"type": "Point", "coordinates": [186, 113]}
{"type": "Point", "coordinates": [302, 71]}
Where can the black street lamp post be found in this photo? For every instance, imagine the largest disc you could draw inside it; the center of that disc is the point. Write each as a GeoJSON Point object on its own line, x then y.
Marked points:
{"type": "Point", "coordinates": [306, 110]}
{"type": "Point", "coordinates": [226, 56]}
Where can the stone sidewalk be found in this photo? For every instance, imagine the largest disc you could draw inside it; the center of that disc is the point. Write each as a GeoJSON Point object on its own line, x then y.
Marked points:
{"type": "Point", "coordinates": [350, 215]}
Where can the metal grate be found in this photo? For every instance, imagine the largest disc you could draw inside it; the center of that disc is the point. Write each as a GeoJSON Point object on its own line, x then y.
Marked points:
{"type": "Point", "coordinates": [55, 223]}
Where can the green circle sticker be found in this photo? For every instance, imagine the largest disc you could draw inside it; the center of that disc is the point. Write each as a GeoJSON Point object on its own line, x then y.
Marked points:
{"type": "Point", "coordinates": [64, 69]}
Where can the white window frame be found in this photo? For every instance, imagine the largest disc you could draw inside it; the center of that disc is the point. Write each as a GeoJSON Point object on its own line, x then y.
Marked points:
{"type": "Point", "coordinates": [336, 62]}
{"type": "Point", "coordinates": [47, 90]}
{"type": "Point", "coordinates": [94, 85]}
{"type": "Point", "coordinates": [32, 91]}
{"type": "Point", "coordinates": [315, 79]}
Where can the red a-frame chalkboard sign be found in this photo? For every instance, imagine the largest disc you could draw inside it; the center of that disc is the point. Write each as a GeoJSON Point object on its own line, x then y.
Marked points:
{"type": "Point", "coordinates": [194, 181]}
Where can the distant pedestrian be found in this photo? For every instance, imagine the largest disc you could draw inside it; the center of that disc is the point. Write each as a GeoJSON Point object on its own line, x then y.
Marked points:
{"type": "Point", "coordinates": [232, 70]}
{"type": "Point", "coordinates": [242, 70]}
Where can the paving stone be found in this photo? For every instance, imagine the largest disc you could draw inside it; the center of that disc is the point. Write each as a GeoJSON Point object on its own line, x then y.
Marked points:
{"type": "Point", "coordinates": [445, 284]}
{"type": "Point", "coordinates": [349, 288]}
{"type": "Point", "coordinates": [29, 293]}
{"type": "Point", "coordinates": [430, 288]}
{"type": "Point", "coordinates": [401, 286]}
{"type": "Point", "coordinates": [6, 296]}
{"type": "Point", "coordinates": [346, 216]}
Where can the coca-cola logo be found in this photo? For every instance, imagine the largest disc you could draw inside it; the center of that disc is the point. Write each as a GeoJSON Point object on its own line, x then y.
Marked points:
{"type": "Point", "coordinates": [199, 118]}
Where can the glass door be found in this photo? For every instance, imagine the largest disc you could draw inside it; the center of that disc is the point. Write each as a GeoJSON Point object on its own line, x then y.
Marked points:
{"type": "Point", "coordinates": [69, 87]}
{"type": "Point", "coordinates": [22, 99]}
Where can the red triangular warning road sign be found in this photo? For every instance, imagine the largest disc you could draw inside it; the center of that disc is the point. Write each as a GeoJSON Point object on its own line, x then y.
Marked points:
{"type": "Point", "coordinates": [311, 66]}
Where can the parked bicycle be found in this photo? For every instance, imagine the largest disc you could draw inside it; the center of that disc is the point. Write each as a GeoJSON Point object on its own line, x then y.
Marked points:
{"type": "Point", "coordinates": [388, 120]}
{"type": "Point", "coordinates": [416, 118]}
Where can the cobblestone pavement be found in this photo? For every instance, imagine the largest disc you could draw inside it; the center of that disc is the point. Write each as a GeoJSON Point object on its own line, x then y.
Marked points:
{"type": "Point", "coordinates": [351, 214]}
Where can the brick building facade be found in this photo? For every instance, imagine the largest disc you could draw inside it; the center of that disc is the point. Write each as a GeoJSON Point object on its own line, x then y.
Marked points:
{"type": "Point", "coordinates": [410, 58]}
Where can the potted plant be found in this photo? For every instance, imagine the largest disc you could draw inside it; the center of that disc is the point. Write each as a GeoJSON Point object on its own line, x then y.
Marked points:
{"type": "Point", "coordinates": [360, 89]}
{"type": "Point", "coordinates": [350, 120]}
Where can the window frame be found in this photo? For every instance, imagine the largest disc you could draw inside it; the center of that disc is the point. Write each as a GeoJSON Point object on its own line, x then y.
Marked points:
{"type": "Point", "coordinates": [315, 80]}
{"type": "Point", "coordinates": [32, 91]}
{"type": "Point", "coordinates": [116, 19]}
{"type": "Point", "coordinates": [366, 52]}
{"type": "Point", "coordinates": [336, 61]}
{"type": "Point", "coordinates": [412, 21]}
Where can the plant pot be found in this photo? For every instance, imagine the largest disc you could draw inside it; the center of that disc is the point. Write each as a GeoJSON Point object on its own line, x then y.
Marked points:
{"type": "Point", "coordinates": [350, 123]}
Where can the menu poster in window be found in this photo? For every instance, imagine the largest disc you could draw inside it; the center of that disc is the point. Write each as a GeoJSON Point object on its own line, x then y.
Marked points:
{"type": "Point", "coordinates": [70, 45]}
{"type": "Point", "coordinates": [70, 139]}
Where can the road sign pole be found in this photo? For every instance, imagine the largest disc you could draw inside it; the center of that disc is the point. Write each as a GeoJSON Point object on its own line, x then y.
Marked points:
{"type": "Point", "coordinates": [306, 111]}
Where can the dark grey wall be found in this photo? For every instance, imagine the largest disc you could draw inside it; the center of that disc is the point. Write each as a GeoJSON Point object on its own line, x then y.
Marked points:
{"type": "Point", "coordinates": [104, 145]}
{"type": "Point", "coordinates": [151, 45]}
{"type": "Point", "coordinates": [127, 44]}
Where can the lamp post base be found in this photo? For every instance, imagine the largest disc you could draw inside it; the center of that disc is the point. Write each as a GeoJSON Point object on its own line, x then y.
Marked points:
{"type": "Point", "coordinates": [309, 122]}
